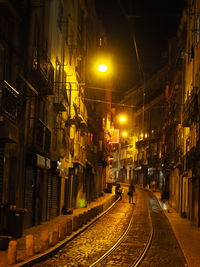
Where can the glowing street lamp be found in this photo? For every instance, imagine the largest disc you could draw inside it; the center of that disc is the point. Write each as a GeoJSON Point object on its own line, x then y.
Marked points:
{"type": "Point", "coordinates": [102, 67]}
{"type": "Point", "coordinates": [124, 134]}
{"type": "Point", "coordinates": [122, 119]}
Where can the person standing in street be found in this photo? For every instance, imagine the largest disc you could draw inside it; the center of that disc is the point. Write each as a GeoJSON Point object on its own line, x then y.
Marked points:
{"type": "Point", "coordinates": [118, 191]}
{"type": "Point", "coordinates": [131, 193]}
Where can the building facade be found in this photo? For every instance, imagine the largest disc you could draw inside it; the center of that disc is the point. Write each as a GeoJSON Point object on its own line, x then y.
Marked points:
{"type": "Point", "coordinates": [184, 91]}
{"type": "Point", "coordinates": [49, 148]}
{"type": "Point", "coordinates": [140, 155]}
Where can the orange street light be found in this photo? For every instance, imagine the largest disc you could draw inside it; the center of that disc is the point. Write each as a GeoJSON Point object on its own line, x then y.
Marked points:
{"type": "Point", "coordinates": [122, 119]}
{"type": "Point", "coordinates": [124, 134]}
{"type": "Point", "coordinates": [102, 67]}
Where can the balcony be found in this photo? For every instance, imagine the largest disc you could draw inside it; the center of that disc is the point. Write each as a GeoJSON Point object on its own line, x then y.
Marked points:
{"type": "Point", "coordinates": [80, 153]}
{"type": "Point", "coordinates": [42, 72]}
{"type": "Point", "coordinates": [61, 99]}
{"type": "Point", "coordinates": [177, 156]}
{"type": "Point", "coordinates": [174, 116]}
{"type": "Point", "coordinates": [78, 72]}
{"type": "Point", "coordinates": [42, 139]}
{"type": "Point", "coordinates": [141, 144]}
{"type": "Point", "coordinates": [9, 132]}
{"type": "Point", "coordinates": [91, 155]}
{"type": "Point", "coordinates": [149, 153]}
{"type": "Point", "coordinates": [152, 139]}
{"type": "Point", "coordinates": [128, 161]}
{"type": "Point", "coordinates": [190, 110]}
{"type": "Point", "coordinates": [189, 159]}
{"type": "Point", "coordinates": [47, 140]}
{"type": "Point", "coordinates": [81, 115]}
{"type": "Point", "coordinates": [9, 101]}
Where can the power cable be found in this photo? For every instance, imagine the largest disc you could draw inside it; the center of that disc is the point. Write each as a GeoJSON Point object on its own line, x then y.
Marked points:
{"type": "Point", "coordinates": [108, 102]}
{"type": "Point", "coordinates": [133, 37]}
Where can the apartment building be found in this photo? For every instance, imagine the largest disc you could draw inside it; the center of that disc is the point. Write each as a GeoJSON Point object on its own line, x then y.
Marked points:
{"type": "Point", "coordinates": [140, 154]}
{"type": "Point", "coordinates": [48, 144]}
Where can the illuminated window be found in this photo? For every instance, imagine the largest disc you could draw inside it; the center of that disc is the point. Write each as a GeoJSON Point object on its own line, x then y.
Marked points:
{"type": "Point", "coordinates": [100, 41]}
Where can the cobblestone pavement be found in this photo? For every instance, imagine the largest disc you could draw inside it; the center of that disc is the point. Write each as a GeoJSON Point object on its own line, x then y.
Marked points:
{"type": "Point", "coordinates": [96, 240]}
{"type": "Point", "coordinates": [164, 250]}
{"type": "Point", "coordinates": [127, 252]}
{"type": "Point", "coordinates": [92, 243]}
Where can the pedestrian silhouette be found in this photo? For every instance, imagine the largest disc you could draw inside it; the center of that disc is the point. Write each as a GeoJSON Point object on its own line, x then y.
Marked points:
{"type": "Point", "coordinates": [118, 191]}
{"type": "Point", "coordinates": [131, 193]}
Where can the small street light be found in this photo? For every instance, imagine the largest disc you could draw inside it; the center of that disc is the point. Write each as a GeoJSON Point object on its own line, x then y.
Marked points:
{"type": "Point", "coordinates": [102, 67]}
{"type": "Point", "coordinates": [122, 119]}
{"type": "Point", "coordinates": [124, 134]}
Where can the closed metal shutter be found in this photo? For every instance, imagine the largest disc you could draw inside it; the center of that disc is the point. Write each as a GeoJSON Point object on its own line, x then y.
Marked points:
{"type": "Point", "coordinates": [1, 180]}
{"type": "Point", "coordinates": [2, 145]}
{"type": "Point", "coordinates": [55, 196]}
{"type": "Point", "coordinates": [49, 198]}
{"type": "Point", "coordinates": [67, 192]}
{"type": "Point", "coordinates": [37, 197]}
{"type": "Point", "coordinates": [29, 186]}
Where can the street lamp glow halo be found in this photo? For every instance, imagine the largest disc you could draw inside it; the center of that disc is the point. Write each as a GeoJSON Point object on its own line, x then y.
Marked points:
{"type": "Point", "coordinates": [122, 118]}
{"type": "Point", "coordinates": [124, 134]}
{"type": "Point", "coordinates": [102, 67]}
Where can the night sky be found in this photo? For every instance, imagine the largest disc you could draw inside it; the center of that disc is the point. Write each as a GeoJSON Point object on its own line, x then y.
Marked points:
{"type": "Point", "coordinates": [152, 22]}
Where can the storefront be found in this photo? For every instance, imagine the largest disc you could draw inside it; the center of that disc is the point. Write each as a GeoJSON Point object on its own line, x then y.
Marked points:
{"type": "Point", "coordinates": [42, 187]}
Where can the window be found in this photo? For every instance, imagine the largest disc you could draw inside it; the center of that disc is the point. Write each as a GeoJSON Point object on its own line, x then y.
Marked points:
{"type": "Point", "coordinates": [100, 41]}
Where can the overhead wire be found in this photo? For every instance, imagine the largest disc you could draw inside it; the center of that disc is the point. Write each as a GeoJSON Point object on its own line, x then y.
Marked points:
{"type": "Point", "coordinates": [133, 37]}
{"type": "Point", "coordinates": [140, 67]}
{"type": "Point", "coordinates": [108, 102]}
{"type": "Point", "coordinates": [116, 103]}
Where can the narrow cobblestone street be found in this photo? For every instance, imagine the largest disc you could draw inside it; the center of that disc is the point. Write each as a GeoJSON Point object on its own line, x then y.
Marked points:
{"type": "Point", "coordinates": [97, 239]}
{"type": "Point", "coordinates": [91, 244]}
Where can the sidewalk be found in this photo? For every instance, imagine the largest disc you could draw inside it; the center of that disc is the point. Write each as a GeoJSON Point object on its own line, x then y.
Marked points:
{"type": "Point", "coordinates": [186, 233]}
{"type": "Point", "coordinates": [74, 224]}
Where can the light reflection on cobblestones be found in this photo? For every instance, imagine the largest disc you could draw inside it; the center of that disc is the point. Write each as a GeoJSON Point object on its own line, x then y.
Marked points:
{"type": "Point", "coordinates": [91, 244]}
{"type": "Point", "coordinates": [96, 240]}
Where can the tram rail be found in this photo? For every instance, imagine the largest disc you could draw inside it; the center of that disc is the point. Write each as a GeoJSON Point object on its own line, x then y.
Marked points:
{"type": "Point", "coordinates": [138, 240]}
{"type": "Point", "coordinates": [143, 252]}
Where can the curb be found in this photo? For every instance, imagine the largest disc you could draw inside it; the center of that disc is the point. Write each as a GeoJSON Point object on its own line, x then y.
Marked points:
{"type": "Point", "coordinates": [93, 215]}
{"type": "Point", "coordinates": [171, 225]}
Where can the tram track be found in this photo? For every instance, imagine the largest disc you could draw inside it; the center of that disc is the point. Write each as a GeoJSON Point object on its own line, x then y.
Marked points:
{"type": "Point", "coordinates": [122, 240]}
{"type": "Point", "coordinates": [114, 246]}
{"type": "Point", "coordinates": [137, 241]}
{"type": "Point", "coordinates": [151, 251]}
{"type": "Point", "coordinates": [114, 213]}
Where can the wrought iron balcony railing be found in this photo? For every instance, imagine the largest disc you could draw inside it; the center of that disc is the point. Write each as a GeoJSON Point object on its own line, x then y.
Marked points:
{"type": "Point", "coordinates": [9, 100]}
{"type": "Point", "coordinates": [190, 110]}
{"type": "Point", "coordinates": [61, 99]}
{"type": "Point", "coordinates": [42, 71]}
{"type": "Point", "coordinates": [91, 155]}
{"type": "Point", "coordinates": [42, 139]}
